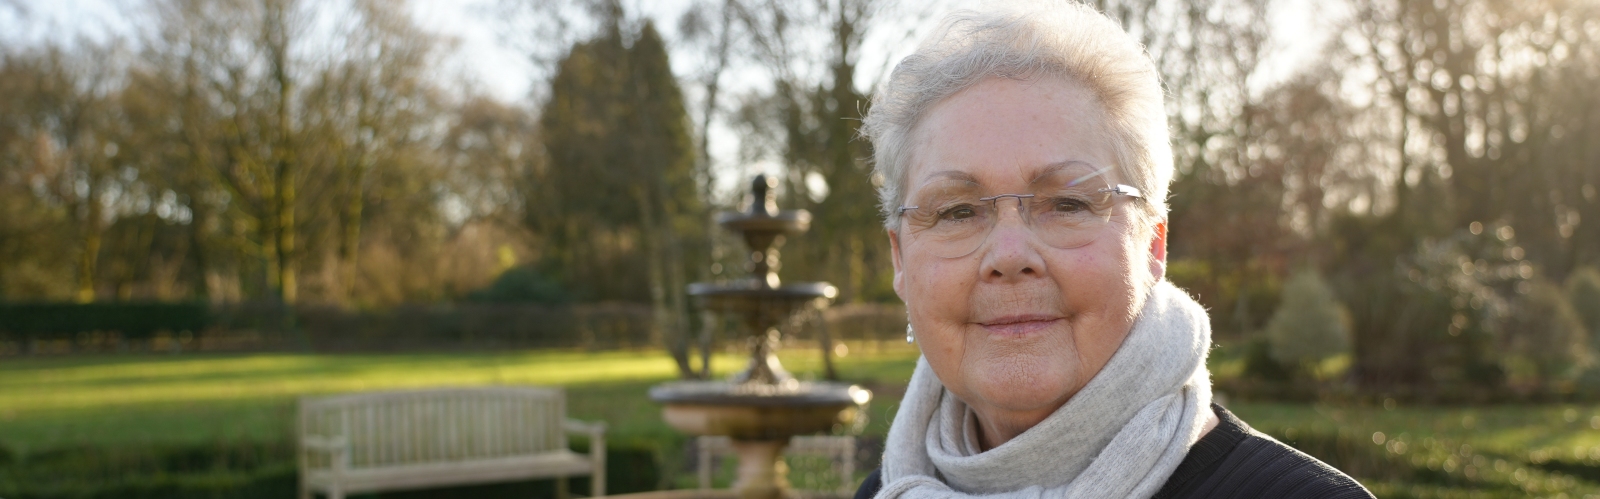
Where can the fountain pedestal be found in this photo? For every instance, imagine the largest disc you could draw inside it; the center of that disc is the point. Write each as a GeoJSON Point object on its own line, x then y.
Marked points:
{"type": "Point", "coordinates": [758, 419]}
{"type": "Point", "coordinates": [760, 408]}
{"type": "Point", "coordinates": [762, 472]}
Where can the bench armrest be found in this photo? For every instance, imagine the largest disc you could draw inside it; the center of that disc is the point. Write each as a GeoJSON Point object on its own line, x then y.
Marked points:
{"type": "Point", "coordinates": [325, 444]}
{"type": "Point", "coordinates": [576, 426]}
{"type": "Point", "coordinates": [597, 450]}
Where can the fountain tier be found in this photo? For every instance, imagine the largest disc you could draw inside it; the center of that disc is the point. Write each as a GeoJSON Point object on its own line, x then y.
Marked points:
{"type": "Point", "coordinates": [762, 406]}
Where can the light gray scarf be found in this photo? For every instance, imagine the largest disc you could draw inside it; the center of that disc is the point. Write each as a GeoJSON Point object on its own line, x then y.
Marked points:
{"type": "Point", "coordinates": [1122, 435]}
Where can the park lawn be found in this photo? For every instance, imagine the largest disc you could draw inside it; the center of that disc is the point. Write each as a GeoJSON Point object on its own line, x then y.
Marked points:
{"type": "Point", "coordinates": [1571, 431]}
{"type": "Point", "coordinates": [131, 400]}
{"type": "Point", "coordinates": [1442, 451]}
{"type": "Point", "coordinates": [116, 400]}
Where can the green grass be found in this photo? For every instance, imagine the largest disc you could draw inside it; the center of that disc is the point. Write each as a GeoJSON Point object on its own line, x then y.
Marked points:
{"type": "Point", "coordinates": [135, 399]}
{"type": "Point", "coordinates": [1442, 451]}
{"type": "Point", "coordinates": [131, 400]}
{"type": "Point", "coordinates": [1514, 429]}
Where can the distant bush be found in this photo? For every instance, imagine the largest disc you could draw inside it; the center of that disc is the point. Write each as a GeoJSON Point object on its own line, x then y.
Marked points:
{"type": "Point", "coordinates": [858, 322]}
{"type": "Point", "coordinates": [1261, 365]}
{"type": "Point", "coordinates": [1241, 298]}
{"type": "Point", "coordinates": [252, 470]}
{"type": "Point", "coordinates": [1545, 336]}
{"type": "Point", "coordinates": [1309, 326]}
{"type": "Point", "coordinates": [523, 284]}
{"type": "Point", "coordinates": [1435, 320]}
{"type": "Point", "coordinates": [1583, 293]}
{"type": "Point", "coordinates": [222, 469]}
{"type": "Point", "coordinates": [133, 320]}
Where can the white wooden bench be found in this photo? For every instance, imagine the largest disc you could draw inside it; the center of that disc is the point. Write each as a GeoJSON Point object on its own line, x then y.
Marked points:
{"type": "Point", "coordinates": [840, 449]}
{"type": "Point", "coordinates": [377, 441]}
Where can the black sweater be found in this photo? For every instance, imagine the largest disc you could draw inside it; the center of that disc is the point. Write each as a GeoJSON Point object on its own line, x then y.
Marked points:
{"type": "Point", "coordinates": [1234, 460]}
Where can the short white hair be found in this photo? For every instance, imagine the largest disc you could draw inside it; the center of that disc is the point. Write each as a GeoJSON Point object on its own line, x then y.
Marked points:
{"type": "Point", "coordinates": [1062, 39]}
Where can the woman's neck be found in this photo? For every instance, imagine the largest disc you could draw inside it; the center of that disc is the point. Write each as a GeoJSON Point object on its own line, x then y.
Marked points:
{"type": "Point", "coordinates": [994, 431]}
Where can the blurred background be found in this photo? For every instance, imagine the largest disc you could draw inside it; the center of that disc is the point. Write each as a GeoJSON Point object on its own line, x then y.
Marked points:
{"type": "Point", "coordinates": [209, 208]}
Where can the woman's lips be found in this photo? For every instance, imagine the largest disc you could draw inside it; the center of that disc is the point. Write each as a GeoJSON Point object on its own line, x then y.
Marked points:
{"type": "Point", "coordinates": [1018, 325]}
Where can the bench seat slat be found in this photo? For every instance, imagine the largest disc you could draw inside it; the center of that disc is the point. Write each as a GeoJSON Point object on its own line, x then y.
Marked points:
{"type": "Point", "coordinates": [413, 476]}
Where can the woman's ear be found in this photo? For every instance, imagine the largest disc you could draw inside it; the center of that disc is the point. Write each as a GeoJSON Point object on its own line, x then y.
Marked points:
{"type": "Point", "coordinates": [899, 267]}
{"type": "Point", "coordinates": [1158, 252]}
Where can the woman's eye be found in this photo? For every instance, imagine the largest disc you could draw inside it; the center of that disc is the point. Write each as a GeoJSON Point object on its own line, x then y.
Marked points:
{"type": "Point", "coordinates": [1069, 205]}
{"type": "Point", "coordinates": [958, 212]}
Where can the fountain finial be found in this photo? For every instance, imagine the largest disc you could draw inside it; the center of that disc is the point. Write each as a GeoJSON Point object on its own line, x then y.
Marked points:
{"type": "Point", "coordinates": [763, 226]}
{"type": "Point", "coordinates": [763, 196]}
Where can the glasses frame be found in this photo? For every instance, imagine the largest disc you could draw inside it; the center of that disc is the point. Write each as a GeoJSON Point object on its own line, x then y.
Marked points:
{"type": "Point", "coordinates": [1115, 190]}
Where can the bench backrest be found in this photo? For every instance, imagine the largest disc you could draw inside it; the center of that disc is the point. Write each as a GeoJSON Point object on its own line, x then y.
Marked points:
{"type": "Point", "coordinates": [421, 426]}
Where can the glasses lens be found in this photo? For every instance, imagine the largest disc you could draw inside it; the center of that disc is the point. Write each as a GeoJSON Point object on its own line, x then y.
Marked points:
{"type": "Point", "coordinates": [1071, 206]}
{"type": "Point", "coordinates": [949, 220]}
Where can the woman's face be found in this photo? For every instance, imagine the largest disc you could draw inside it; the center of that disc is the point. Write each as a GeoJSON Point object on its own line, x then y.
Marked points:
{"type": "Point", "coordinates": [1018, 326]}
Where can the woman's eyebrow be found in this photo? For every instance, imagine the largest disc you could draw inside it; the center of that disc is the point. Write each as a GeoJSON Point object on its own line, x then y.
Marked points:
{"type": "Point", "coordinates": [1095, 171]}
{"type": "Point", "coordinates": [962, 176]}
{"type": "Point", "coordinates": [951, 174]}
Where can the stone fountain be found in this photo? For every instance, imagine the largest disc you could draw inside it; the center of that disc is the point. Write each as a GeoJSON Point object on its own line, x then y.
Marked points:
{"type": "Point", "coordinates": [762, 406]}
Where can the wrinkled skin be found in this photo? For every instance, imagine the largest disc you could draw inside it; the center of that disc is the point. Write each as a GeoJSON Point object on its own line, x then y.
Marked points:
{"type": "Point", "coordinates": [1018, 327]}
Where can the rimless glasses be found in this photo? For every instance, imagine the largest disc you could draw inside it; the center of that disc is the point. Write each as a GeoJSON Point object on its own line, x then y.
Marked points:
{"type": "Point", "coordinates": [1068, 207]}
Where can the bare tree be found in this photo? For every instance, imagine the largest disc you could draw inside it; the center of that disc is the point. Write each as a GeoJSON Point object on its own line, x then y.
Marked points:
{"type": "Point", "coordinates": [371, 104]}
{"type": "Point", "coordinates": [234, 63]}
{"type": "Point", "coordinates": [66, 114]}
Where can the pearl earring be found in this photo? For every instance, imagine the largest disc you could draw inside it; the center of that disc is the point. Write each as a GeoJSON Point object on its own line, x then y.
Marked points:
{"type": "Point", "coordinates": [911, 335]}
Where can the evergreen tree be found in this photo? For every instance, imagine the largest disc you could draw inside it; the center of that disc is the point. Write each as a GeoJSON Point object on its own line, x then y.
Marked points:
{"type": "Point", "coordinates": [618, 205]}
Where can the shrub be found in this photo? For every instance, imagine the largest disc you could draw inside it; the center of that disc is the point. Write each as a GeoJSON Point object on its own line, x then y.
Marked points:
{"type": "Point", "coordinates": [256, 470]}
{"type": "Point", "coordinates": [1436, 316]}
{"type": "Point", "coordinates": [1545, 335]}
{"type": "Point", "coordinates": [134, 320]}
{"type": "Point", "coordinates": [523, 284]}
{"type": "Point", "coordinates": [1259, 364]}
{"type": "Point", "coordinates": [1240, 297]}
{"type": "Point", "coordinates": [1309, 326]}
{"type": "Point", "coordinates": [1583, 293]}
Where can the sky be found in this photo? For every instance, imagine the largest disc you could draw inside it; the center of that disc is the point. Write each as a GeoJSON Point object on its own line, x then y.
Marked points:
{"type": "Point", "coordinates": [484, 60]}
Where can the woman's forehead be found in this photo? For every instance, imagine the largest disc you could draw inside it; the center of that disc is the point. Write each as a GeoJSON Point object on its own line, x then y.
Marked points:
{"type": "Point", "coordinates": [977, 177]}
{"type": "Point", "coordinates": [1003, 132]}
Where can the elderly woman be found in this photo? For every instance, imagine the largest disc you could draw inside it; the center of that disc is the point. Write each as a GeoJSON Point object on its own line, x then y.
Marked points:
{"type": "Point", "coordinates": [1025, 163]}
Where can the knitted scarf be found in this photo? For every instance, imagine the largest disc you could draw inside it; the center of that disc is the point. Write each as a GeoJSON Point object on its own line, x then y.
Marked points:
{"type": "Point", "coordinates": [1122, 435]}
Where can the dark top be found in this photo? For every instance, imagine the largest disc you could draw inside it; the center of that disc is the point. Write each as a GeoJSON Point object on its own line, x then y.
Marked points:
{"type": "Point", "coordinates": [1234, 460]}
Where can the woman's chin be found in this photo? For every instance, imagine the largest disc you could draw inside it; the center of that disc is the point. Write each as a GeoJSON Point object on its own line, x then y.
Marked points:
{"type": "Point", "coordinates": [1023, 386]}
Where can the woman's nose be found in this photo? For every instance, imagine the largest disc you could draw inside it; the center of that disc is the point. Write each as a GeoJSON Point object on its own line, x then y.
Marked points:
{"type": "Point", "coordinates": [1011, 251]}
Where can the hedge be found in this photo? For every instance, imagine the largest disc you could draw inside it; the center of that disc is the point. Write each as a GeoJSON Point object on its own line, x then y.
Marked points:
{"type": "Point", "coordinates": [251, 470]}
{"type": "Point", "coordinates": [134, 320]}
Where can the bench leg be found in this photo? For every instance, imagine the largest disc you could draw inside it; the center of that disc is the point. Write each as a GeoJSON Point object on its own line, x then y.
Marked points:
{"type": "Point", "coordinates": [561, 487]}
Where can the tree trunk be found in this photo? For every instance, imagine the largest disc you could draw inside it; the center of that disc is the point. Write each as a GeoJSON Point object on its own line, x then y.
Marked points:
{"type": "Point", "coordinates": [350, 242]}
{"type": "Point", "coordinates": [197, 221]}
{"type": "Point", "coordinates": [285, 201]}
{"type": "Point", "coordinates": [277, 45]}
{"type": "Point", "coordinates": [656, 260]}
{"type": "Point", "coordinates": [90, 256]}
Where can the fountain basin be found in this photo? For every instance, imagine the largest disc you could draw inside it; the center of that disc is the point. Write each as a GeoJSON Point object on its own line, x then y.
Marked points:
{"type": "Point", "coordinates": [750, 296]}
{"type": "Point", "coordinates": [782, 222]}
{"type": "Point", "coordinates": [758, 411]}
{"type": "Point", "coordinates": [759, 417]}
